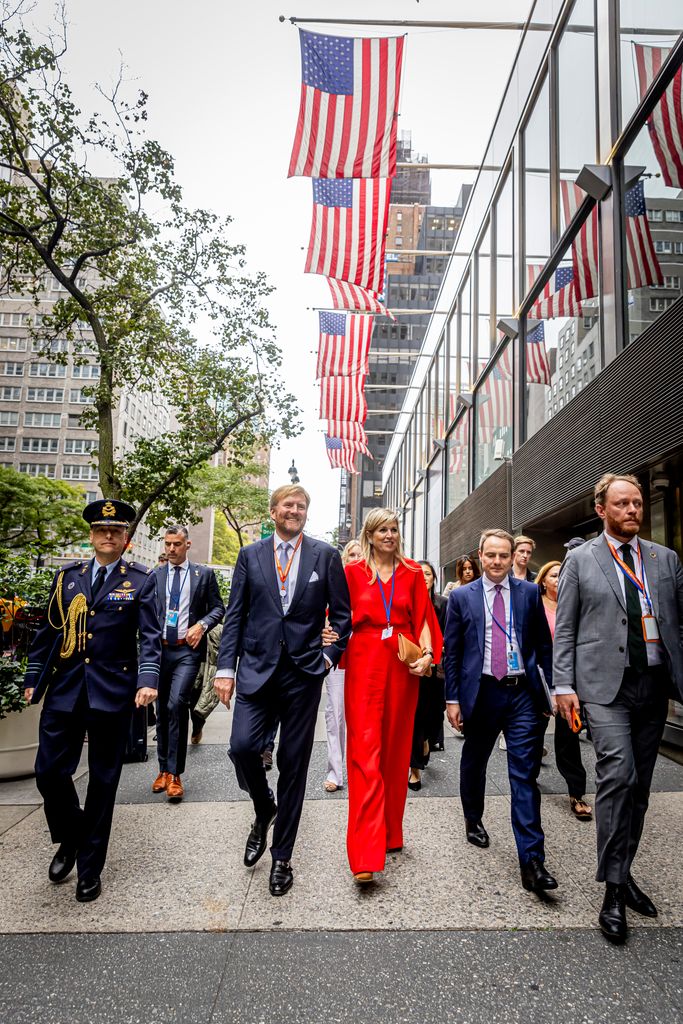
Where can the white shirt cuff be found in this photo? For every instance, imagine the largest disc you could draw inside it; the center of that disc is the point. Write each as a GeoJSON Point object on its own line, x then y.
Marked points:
{"type": "Point", "coordinates": [562, 689]}
{"type": "Point", "coordinates": [329, 663]}
{"type": "Point", "coordinates": [225, 673]}
{"type": "Point", "coordinates": [452, 701]}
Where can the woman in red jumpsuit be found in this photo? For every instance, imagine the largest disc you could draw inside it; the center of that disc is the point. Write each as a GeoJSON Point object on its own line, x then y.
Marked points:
{"type": "Point", "coordinates": [388, 597]}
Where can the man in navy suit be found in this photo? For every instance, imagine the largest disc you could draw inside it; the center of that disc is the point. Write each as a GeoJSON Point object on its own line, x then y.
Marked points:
{"type": "Point", "coordinates": [85, 661]}
{"type": "Point", "coordinates": [189, 604]}
{"type": "Point", "coordinates": [282, 588]}
{"type": "Point", "coordinates": [496, 638]}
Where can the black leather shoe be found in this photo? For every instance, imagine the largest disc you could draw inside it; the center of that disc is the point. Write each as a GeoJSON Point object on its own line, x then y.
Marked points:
{"type": "Point", "coordinates": [62, 864]}
{"type": "Point", "coordinates": [281, 877]}
{"type": "Point", "coordinates": [88, 889]}
{"type": "Point", "coordinates": [535, 878]}
{"type": "Point", "coordinates": [476, 834]}
{"type": "Point", "coordinates": [258, 839]}
{"type": "Point", "coordinates": [612, 917]}
{"type": "Point", "coordinates": [635, 898]}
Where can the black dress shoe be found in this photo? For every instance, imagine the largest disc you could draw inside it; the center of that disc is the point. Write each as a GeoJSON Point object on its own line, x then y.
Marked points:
{"type": "Point", "coordinates": [88, 889]}
{"type": "Point", "coordinates": [535, 878]}
{"type": "Point", "coordinates": [257, 839]}
{"type": "Point", "coordinates": [635, 898]}
{"type": "Point", "coordinates": [476, 834]}
{"type": "Point", "coordinates": [281, 877]}
{"type": "Point", "coordinates": [612, 917]}
{"type": "Point", "coordinates": [62, 864]}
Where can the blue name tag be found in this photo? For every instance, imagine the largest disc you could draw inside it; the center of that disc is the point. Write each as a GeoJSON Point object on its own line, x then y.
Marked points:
{"type": "Point", "coordinates": [513, 661]}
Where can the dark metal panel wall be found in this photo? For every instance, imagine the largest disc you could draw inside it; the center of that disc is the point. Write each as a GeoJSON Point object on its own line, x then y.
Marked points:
{"type": "Point", "coordinates": [485, 507]}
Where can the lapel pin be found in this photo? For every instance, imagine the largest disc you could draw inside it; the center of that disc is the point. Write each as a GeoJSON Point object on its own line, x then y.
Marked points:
{"type": "Point", "coordinates": [84, 570]}
{"type": "Point", "coordinates": [196, 572]}
{"type": "Point", "coordinates": [653, 554]}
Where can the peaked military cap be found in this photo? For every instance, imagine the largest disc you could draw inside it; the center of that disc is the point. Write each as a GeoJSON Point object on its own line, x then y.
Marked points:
{"type": "Point", "coordinates": [109, 512]}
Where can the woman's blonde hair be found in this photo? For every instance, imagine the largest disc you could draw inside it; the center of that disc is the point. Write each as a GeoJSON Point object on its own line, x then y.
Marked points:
{"type": "Point", "coordinates": [348, 548]}
{"type": "Point", "coordinates": [375, 518]}
{"type": "Point", "coordinates": [543, 572]}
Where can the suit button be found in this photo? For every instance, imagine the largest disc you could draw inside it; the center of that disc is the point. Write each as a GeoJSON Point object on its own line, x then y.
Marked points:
{"type": "Point", "coordinates": [125, 668]}
{"type": "Point", "coordinates": [92, 613]}
{"type": "Point", "coordinates": [87, 661]}
{"type": "Point", "coordinates": [621, 650]}
{"type": "Point", "coordinates": [89, 636]}
{"type": "Point", "coordinates": [623, 622]}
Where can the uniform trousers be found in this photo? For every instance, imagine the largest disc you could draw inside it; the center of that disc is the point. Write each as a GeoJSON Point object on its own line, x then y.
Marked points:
{"type": "Point", "coordinates": [335, 726]}
{"type": "Point", "coordinates": [179, 667]}
{"type": "Point", "coordinates": [61, 738]}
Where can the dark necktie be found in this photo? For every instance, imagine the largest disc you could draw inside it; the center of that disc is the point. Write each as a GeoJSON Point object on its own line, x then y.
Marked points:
{"type": "Point", "coordinates": [637, 649]}
{"type": "Point", "coordinates": [499, 666]}
{"type": "Point", "coordinates": [284, 550]}
{"type": "Point", "coordinates": [174, 605]}
{"type": "Point", "coordinates": [99, 581]}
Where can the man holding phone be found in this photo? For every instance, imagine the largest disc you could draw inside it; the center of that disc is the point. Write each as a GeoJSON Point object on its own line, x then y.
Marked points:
{"type": "Point", "coordinates": [619, 651]}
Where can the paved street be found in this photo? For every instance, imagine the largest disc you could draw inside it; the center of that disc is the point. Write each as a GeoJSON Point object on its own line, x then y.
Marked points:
{"type": "Point", "coordinates": [184, 933]}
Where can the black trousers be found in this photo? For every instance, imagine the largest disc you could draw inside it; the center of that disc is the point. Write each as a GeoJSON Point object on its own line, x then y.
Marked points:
{"type": "Point", "coordinates": [292, 698]}
{"type": "Point", "coordinates": [428, 719]}
{"type": "Point", "coordinates": [60, 746]}
{"type": "Point", "coordinates": [179, 667]}
{"type": "Point", "coordinates": [568, 757]}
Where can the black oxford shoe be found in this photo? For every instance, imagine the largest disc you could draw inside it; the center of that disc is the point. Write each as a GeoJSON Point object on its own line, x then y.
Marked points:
{"type": "Point", "coordinates": [476, 834]}
{"type": "Point", "coordinates": [635, 899]}
{"type": "Point", "coordinates": [88, 889]}
{"type": "Point", "coordinates": [257, 839]}
{"type": "Point", "coordinates": [535, 878]}
{"type": "Point", "coordinates": [62, 864]}
{"type": "Point", "coordinates": [281, 878]}
{"type": "Point", "coordinates": [612, 917]}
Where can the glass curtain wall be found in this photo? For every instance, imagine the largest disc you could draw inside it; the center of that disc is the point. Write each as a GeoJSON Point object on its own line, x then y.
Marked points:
{"type": "Point", "coordinates": [457, 462]}
{"type": "Point", "coordinates": [641, 54]}
{"type": "Point", "coordinates": [536, 150]}
{"type": "Point", "coordinates": [493, 418]}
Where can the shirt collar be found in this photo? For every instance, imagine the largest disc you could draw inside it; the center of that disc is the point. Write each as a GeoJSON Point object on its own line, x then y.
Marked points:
{"type": "Point", "coordinates": [183, 565]}
{"type": "Point", "coordinates": [98, 565]}
{"type": "Point", "coordinates": [286, 540]}
{"type": "Point", "coordinates": [489, 584]}
{"type": "Point", "coordinates": [618, 544]}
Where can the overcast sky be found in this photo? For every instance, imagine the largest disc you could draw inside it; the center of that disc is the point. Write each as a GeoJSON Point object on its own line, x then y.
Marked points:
{"type": "Point", "coordinates": [223, 81]}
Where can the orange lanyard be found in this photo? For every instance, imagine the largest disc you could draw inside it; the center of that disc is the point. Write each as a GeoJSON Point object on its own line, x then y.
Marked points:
{"type": "Point", "coordinates": [635, 580]}
{"type": "Point", "coordinates": [284, 573]}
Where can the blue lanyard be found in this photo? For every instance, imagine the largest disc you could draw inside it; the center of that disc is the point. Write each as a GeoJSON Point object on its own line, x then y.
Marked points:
{"type": "Point", "coordinates": [169, 586]}
{"type": "Point", "coordinates": [494, 619]}
{"type": "Point", "coordinates": [387, 607]}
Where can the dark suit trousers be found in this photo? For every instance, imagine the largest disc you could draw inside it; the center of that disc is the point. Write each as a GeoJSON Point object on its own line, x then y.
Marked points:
{"type": "Point", "coordinates": [513, 710]}
{"type": "Point", "coordinates": [179, 668]}
{"type": "Point", "coordinates": [292, 697]}
{"type": "Point", "coordinates": [568, 757]}
{"type": "Point", "coordinates": [61, 739]}
{"type": "Point", "coordinates": [626, 735]}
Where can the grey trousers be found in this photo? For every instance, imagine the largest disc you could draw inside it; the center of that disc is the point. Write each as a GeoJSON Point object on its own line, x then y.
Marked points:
{"type": "Point", "coordinates": [626, 735]}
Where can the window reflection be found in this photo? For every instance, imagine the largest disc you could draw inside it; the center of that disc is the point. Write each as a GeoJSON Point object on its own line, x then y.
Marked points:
{"type": "Point", "coordinates": [643, 54]}
{"type": "Point", "coordinates": [493, 412]}
{"type": "Point", "coordinates": [504, 268]}
{"type": "Point", "coordinates": [484, 298]}
{"type": "Point", "coordinates": [458, 462]}
{"type": "Point", "coordinates": [576, 92]}
{"type": "Point", "coordinates": [537, 180]}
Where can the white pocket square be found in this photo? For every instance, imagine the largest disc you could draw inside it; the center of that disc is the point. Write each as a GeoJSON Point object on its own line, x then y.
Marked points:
{"type": "Point", "coordinates": [314, 577]}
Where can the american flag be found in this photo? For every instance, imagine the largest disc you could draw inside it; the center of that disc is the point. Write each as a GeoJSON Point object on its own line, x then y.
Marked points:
{"type": "Point", "coordinates": [345, 430]}
{"type": "Point", "coordinates": [537, 366]}
{"type": "Point", "coordinates": [350, 296]}
{"type": "Point", "coordinates": [643, 267]}
{"type": "Point", "coordinates": [665, 123]}
{"type": "Point", "coordinates": [349, 107]}
{"type": "Point", "coordinates": [459, 446]}
{"type": "Point", "coordinates": [339, 456]}
{"type": "Point", "coordinates": [348, 445]}
{"type": "Point", "coordinates": [344, 344]}
{"type": "Point", "coordinates": [348, 230]}
{"type": "Point", "coordinates": [343, 398]}
{"type": "Point", "coordinates": [558, 298]}
{"type": "Point", "coordinates": [494, 399]}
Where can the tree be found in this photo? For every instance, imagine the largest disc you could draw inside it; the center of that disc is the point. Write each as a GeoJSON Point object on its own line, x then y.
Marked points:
{"type": "Point", "coordinates": [225, 544]}
{"type": "Point", "coordinates": [136, 284]}
{"type": "Point", "coordinates": [229, 488]}
{"type": "Point", "coordinates": [39, 515]}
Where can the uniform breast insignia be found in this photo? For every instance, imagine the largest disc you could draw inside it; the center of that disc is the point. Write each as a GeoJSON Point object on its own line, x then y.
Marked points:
{"type": "Point", "coordinates": [71, 585]}
{"type": "Point", "coordinates": [127, 583]}
{"type": "Point", "coordinates": [121, 595]}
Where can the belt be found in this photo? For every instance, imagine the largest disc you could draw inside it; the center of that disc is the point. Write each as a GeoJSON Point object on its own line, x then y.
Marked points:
{"type": "Point", "coordinates": [506, 680]}
{"type": "Point", "coordinates": [178, 643]}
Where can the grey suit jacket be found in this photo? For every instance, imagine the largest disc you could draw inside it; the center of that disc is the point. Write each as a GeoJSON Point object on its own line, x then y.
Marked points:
{"type": "Point", "coordinates": [591, 627]}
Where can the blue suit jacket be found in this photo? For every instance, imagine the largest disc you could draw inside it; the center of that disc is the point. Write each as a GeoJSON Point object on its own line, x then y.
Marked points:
{"type": "Point", "coordinates": [206, 602]}
{"type": "Point", "coordinates": [464, 641]}
{"type": "Point", "coordinates": [109, 663]}
{"type": "Point", "coordinates": [256, 631]}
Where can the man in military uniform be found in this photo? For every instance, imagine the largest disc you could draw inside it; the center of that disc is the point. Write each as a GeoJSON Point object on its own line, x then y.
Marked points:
{"type": "Point", "coordinates": [84, 660]}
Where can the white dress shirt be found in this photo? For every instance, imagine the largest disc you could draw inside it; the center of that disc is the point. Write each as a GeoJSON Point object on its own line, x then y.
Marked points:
{"type": "Point", "coordinates": [489, 588]}
{"type": "Point", "coordinates": [184, 603]}
{"type": "Point", "coordinates": [654, 648]}
{"type": "Point", "coordinates": [294, 567]}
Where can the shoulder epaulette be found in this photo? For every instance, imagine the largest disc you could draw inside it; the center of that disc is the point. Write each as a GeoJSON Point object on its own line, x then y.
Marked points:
{"type": "Point", "coordinates": [139, 568]}
{"type": "Point", "coordinates": [71, 565]}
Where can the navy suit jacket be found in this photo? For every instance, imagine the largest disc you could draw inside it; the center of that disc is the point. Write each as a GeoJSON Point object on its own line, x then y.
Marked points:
{"type": "Point", "coordinates": [256, 630]}
{"type": "Point", "coordinates": [206, 602]}
{"type": "Point", "coordinates": [464, 641]}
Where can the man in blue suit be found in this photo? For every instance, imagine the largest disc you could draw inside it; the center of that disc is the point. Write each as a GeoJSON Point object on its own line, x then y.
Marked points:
{"type": "Point", "coordinates": [496, 638]}
{"type": "Point", "coordinates": [281, 589]}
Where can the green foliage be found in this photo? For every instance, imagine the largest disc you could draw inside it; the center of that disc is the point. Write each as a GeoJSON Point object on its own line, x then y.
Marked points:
{"type": "Point", "coordinates": [230, 489]}
{"type": "Point", "coordinates": [24, 592]}
{"type": "Point", "coordinates": [223, 581]}
{"type": "Point", "coordinates": [139, 272]}
{"type": "Point", "coordinates": [39, 515]}
{"type": "Point", "coordinates": [11, 686]}
{"type": "Point", "coordinates": [225, 543]}
{"type": "Point", "coordinates": [20, 579]}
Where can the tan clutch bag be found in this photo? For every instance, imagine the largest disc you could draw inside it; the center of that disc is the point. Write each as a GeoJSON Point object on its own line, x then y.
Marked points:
{"type": "Point", "coordinates": [407, 650]}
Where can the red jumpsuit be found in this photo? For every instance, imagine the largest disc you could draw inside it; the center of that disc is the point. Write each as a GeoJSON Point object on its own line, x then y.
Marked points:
{"type": "Point", "coordinates": [380, 696]}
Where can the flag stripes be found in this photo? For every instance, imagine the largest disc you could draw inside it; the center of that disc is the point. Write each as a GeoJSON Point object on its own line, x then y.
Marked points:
{"type": "Point", "coordinates": [351, 297]}
{"type": "Point", "coordinates": [344, 344]}
{"type": "Point", "coordinates": [665, 124]}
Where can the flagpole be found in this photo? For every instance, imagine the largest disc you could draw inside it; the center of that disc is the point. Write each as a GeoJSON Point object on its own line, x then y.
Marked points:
{"type": "Point", "coordinates": [479, 26]}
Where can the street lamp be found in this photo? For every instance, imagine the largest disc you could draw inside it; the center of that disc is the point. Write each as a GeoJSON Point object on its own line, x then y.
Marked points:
{"type": "Point", "coordinates": [293, 474]}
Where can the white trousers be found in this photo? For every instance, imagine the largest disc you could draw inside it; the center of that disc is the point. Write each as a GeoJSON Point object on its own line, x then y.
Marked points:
{"type": "Point", "coordinates": [335, 725]}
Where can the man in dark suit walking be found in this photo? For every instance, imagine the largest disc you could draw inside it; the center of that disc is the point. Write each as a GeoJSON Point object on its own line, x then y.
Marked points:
{"type": "Point", "coordinates": [189, 604]}
{"type": "Point", "coordinates": [496, 638]}
{"type": "Point", "coordinates": [85, 661]}
{"type": "Point", "coordinates": [281, 589]}
{"type": "Point", "coordinates": [619, 651]}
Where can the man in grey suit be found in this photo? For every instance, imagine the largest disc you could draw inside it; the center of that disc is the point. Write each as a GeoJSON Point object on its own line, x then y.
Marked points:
{"type": "Point", "coordinates": [618, 650]}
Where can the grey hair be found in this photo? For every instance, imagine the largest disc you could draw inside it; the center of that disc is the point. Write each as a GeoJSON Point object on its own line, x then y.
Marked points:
{"type": "Point", "coordinates": [177, 530]}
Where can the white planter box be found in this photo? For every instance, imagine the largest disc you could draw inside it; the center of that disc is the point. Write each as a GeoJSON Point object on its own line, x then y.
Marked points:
{"type": "Point", "coordinates": [19, 742]}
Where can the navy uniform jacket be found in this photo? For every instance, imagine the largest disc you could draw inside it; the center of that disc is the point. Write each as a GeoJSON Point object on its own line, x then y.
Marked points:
{"type": "Point", "coordinates": [206, 602]}
{"type": "Point", "coordinates": [108, 660]}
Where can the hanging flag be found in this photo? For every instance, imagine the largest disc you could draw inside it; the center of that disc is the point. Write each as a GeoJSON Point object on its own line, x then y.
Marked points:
{"type": "Point", "coordinates": [340, 457]}
{"type": "Point", "coordinates": [345, 430]}
{"type": "Point", "coordinates": [558, 298]}
{"type": "Point", "coordinates": [537, 365]}
{"type": "Point", "coordinates": [494, 399]}
{"type": "Point", "coordinates": [349, 107]}
{"type": "Point", "coordinates": [347, 445]}
{"type": "Point", "coordinates": [665, 123]}
{"type": "Point", "coordinates": [350, 296]}
{"type": "Point", "coordinates": [343, 398]}
{"type": "Point", "coordinates": [585, 245]}
{"type": "Point", "coordinates": [348, 230]}
{"type": "Point", "coordinates": [344, 344]}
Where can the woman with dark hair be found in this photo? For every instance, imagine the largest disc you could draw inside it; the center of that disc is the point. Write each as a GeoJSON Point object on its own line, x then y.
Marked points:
{"type": "Point", "coordinates": [466, 570]}
{"type": "Point", "coordinates": [431, 703]}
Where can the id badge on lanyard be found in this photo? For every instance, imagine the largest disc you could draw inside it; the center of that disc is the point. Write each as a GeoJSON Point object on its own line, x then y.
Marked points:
{"type": "Point", "coordinates": [649, 622]}
{"type": "Point", "coordinates": [389, 631]}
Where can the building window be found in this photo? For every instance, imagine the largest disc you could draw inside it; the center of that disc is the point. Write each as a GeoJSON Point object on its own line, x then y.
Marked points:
{"type": "Point", "coordinates": [89, 372]}
{"type": "Point", "coordinates": [656, 215]}
{"type": "Point", "coordinates": [79, 446]}
{"type": "Point", "coordinates": [9, 419]}
{"type": "Point", "coordinates": [12, 369]}
{"type": "Point", "coordinates": [72, 472]}
{"type": "Point", "coordinates": [42, 445]}
{"type": "Point", "coordinates": [74, 421]}
{"type": "Point", "coordinates": [47, 370]}
{"type": "Point", "coordinates": [37, 469]}
{"type": "Point", "coordinates": [8, 444]}
{"type": "Point", "coordinates": [44, 394]}
{"type": "Point", "coordinates": [42, 419]}
{"type": "Point", "coordinates": [678, 248]}
{"type": "Point", "coordinates": [10, 394]}
{"type": "Point", "coordinates": [77, 396]}
{"type": "Point", "coordinates": [673, 216]}
{"type": "Point", "coordinates": [56, 345]}
{"type": "Point", "coordinates": [659, 305]}
{"type": "Point", "coordinates": [662, 247]}
{"type": "Point", "coordinates": [13, 344]}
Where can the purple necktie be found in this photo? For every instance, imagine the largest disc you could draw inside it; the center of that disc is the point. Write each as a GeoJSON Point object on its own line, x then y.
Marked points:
{"type": "Point", "coordinates": [499, 665]}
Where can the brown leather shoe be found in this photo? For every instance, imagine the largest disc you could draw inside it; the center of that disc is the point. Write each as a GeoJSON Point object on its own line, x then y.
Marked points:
{"type": "Point", "coordinates": [174, 789]}
{"type": "Point", "coordinates": [161, 782]}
